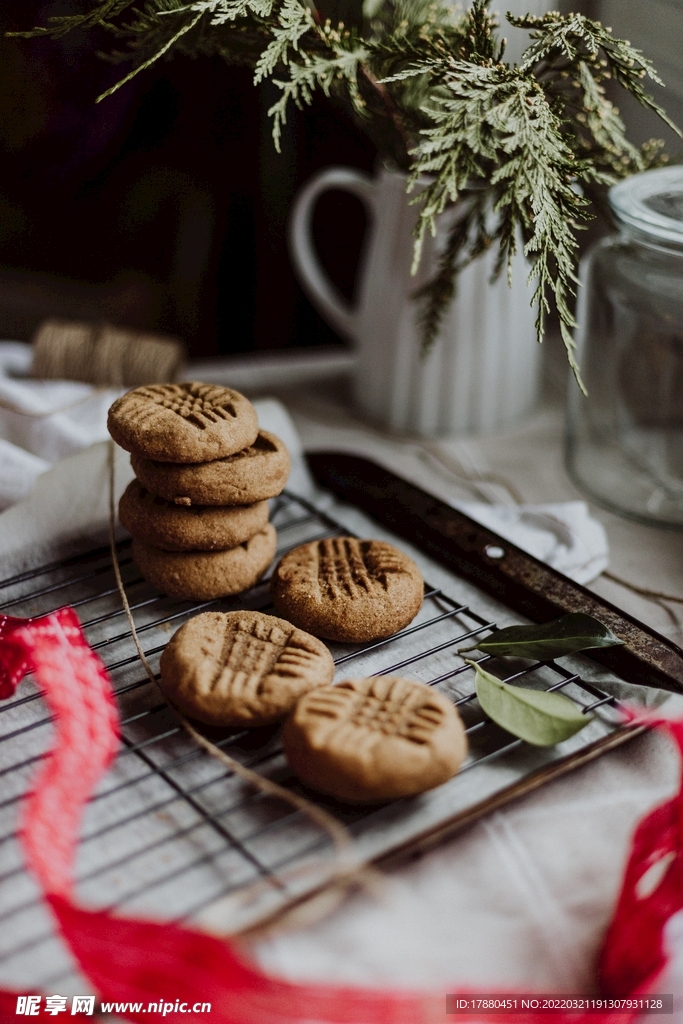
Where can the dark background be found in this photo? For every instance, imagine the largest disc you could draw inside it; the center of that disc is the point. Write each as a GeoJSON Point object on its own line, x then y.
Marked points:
{"type": "Point", "coordinates": [165, 206]}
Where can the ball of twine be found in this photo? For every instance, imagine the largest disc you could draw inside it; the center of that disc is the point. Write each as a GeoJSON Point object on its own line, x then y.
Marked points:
{"type": "Point", "coordinates": [104, 355]}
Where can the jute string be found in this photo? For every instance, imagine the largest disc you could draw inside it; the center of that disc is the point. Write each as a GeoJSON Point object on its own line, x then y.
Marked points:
{"type": "Point", "coordinates": [105, 356]}
{"type": "Point", "coordinates": [658, 597]}
{"type": "Point", "coordinates": [343, 872]}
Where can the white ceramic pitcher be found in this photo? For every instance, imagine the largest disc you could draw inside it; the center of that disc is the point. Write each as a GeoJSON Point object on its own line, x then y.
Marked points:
{"type": "Point", "coordinates": [483, 369]}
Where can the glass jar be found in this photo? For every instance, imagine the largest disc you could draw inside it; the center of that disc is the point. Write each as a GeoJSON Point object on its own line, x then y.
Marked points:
{"type": "Point", "coordinates": [625, 440]}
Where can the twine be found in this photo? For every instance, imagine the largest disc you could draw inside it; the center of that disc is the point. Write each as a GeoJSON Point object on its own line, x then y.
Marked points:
{"type": "Point", "coordinates": [658, 597]}
{"type": "Point", "coordinates": [108, 357]}
{"type": "Point", "coordinates": [344, 872]}
{"type": "Point", "coordinates": [104, 355]}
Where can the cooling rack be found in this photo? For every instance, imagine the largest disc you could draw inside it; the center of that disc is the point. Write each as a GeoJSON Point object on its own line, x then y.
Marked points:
{"type": "Point", "coordinates": [172, 833]}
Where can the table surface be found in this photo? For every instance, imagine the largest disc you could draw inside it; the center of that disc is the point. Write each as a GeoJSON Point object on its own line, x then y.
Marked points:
{"type": "Point", "coordinates": [523, 897]}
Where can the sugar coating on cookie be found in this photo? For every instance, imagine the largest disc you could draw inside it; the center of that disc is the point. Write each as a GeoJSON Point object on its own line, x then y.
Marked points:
{"type": "Point", "coordinates": [173, 527]}
{"type": "Point", "coordinates": [206, 575]}
{"type": "Point", "coordinates": [374, 739]}
{"type": "Point", "coordinates": [189, 422]}
{"type": "Point", "coordinates": [346, 589]}
{"type": "Point", "coordinates": [242, 668]}
{"type": "Point", "coordinates": [253, 474]}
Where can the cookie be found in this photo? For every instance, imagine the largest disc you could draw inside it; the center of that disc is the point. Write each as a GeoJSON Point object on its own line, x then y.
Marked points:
{"type": "Point", "coordinates": [205, 575]}
{"type": "Point", "coordinates": [199, 528]}
{"type": "Point", "coordinates": [347, 589]}
{"type": "Point", "coordinates": [183, 422]}
{"type": "Point", "coordinates": [242, 668]}
{"type": "Point", "coordinates": [374, 739]}
{"type": "Point", "coordinates": [257, 472]}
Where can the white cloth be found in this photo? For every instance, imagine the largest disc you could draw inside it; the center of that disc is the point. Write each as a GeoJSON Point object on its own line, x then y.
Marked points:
{"type": "Point", "coordinates": [78, 411]}
{"type": "Point", "coordinates": [30, 440]}
{"type": "Point", "coordinates": [19, 471]}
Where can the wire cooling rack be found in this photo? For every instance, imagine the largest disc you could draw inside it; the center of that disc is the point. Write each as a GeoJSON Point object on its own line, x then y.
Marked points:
{"type": "Point", "coordinates": [171, 832]}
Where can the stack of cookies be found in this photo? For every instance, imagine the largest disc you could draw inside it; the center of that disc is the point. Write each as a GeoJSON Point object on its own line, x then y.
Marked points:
{"type": "Point", "coordinates": [198, 508]}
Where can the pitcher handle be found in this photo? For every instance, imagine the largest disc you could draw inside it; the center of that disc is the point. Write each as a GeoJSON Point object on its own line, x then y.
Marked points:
{"type": "Point", "coordinates": [339, 313]}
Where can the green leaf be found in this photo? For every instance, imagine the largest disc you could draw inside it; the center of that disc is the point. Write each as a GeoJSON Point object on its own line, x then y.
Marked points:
{"type": "Point", "coordinates": [566, 635]}
{"type": "Point", "coordinates": [539, 717]}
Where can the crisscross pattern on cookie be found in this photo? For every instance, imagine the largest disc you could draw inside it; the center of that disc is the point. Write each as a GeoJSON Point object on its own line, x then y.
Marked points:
{"type": "Point", "coordinates": [390, 706]}
{"type": "Point", "coordinates": [199, 404]}
{"type": "Point", "coordinates": [347, 567]}
{"type": "Point", "coordinates": [242, 667]}
{"type": "Point", "coordinates": [347, 589]}
{"type": "Point", "coordinates": [249, 652]}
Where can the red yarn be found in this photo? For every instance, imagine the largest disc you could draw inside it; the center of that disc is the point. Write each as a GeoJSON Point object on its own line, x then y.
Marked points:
{"type": "Point", "coordinates": [131, 960]}
{"type": "Point", "coordinates": [13, 664]}
{"type": "Point", "coordinates": [79, 696]}
{"type": "Point", "coordinates": [633, 954]}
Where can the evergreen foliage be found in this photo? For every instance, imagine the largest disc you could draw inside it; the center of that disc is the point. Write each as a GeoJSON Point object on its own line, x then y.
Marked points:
{"type": "Point", "coordinates": [523, 148]}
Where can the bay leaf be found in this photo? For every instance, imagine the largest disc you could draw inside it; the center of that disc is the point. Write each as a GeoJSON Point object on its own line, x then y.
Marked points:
{"type": "Point", "coordinates": [539, 717]}
{"type": "Point", "coordinates": [567, 635]}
